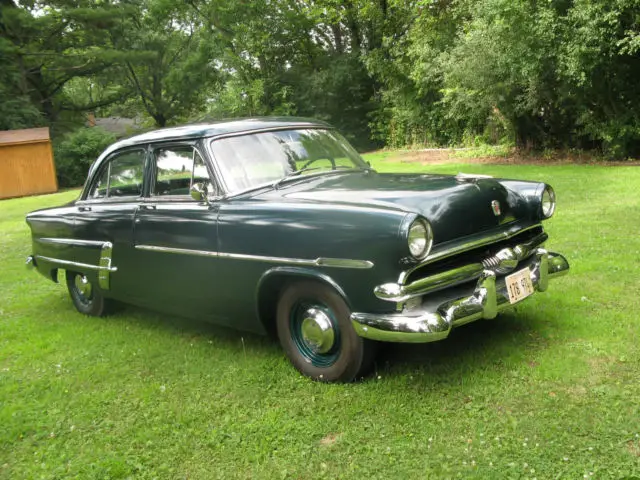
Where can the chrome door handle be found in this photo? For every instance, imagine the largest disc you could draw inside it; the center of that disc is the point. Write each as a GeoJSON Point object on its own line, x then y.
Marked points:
{"type": "Point", "coordinates": [84, 209]}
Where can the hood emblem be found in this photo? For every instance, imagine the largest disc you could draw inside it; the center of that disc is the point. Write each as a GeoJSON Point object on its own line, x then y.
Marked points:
{"type": "Point", "coordinates": [495, 206]}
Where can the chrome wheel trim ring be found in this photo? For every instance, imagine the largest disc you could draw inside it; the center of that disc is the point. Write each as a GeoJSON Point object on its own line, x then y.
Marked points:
{"type": "Point", "coordinates": [83, 287]}
{"type": "Point", "coordinates": [317, 330]}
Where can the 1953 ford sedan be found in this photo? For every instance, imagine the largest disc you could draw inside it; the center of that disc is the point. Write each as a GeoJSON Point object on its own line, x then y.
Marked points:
{"type": "Point", "coordinates": [278, 225]}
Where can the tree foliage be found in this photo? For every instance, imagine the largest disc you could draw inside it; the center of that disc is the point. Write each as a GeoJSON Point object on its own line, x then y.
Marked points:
{"type": "Point", "coordinates": [75, 153]}
{"type": "Point", "coordinates": [48, 44]}
{"type": "Point", "coordinates": [538, 74]}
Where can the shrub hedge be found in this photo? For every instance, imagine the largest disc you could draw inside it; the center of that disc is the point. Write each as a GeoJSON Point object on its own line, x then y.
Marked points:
{"type": "Point", "coordinates": [76, 151]}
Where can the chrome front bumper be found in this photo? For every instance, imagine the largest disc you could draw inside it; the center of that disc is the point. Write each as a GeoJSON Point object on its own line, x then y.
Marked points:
{"type": "Point", "coordinates": [457, 305]}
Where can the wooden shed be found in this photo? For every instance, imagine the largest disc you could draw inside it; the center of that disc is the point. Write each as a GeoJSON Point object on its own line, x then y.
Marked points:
{"type": "Point", "coordinates": [26, 163]}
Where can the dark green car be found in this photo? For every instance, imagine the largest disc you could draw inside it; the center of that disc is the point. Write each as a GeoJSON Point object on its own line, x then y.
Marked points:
{"type": "Point", "coordinates": [278, 225]}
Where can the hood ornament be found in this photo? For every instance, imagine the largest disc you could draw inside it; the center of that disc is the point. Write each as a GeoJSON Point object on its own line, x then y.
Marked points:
{"type": "Point", "coordinates": [495, 206]}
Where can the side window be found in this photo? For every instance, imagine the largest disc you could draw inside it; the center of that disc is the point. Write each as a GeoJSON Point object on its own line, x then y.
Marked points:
{"type": "Point", "coordinates": [122, 176]}
{"type": "Point", "coordinates": [177, 169]}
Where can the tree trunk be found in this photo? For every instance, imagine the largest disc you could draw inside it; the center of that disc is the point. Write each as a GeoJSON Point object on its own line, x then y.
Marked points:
{"type": "Point", "coordinates": [160, 120]}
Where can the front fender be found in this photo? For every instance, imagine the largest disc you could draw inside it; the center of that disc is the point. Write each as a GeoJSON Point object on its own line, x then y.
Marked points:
{"type": "Point", "coordinates": [525, 197]}
{"type": "Point", "coordinates": [298, 272]}
{"type": "Point", "coordinates": [273, 281]}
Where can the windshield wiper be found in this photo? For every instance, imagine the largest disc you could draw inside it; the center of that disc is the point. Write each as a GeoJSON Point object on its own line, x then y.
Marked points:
{"type": "Point", "coordinates": [306, 169]}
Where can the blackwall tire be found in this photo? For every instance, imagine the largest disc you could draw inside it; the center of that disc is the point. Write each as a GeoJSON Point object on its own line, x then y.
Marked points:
{"type": "Point", "coordinates": [315, 332]}
{"type": "Point", "coordinates": [86, 297]}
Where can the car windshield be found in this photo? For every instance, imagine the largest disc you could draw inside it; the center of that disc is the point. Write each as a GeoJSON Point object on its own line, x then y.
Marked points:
{"type": "Point", "coordinates": [249, 161]}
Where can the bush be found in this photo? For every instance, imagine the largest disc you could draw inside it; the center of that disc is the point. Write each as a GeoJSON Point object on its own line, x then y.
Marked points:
{"type": "Point", "coordinates": [75, 153]}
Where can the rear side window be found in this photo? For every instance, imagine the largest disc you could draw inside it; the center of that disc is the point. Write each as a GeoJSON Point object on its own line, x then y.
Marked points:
{"type": "Point", "coordinates": [177, 168]}
{"type": "Point", "coordinates": [122, 176]}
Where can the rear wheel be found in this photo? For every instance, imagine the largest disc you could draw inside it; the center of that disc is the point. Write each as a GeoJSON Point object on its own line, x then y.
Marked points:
{"type": "Point", "coordinates": [315, 332]}
{"type": "Point", "coordinates": [86, 297]}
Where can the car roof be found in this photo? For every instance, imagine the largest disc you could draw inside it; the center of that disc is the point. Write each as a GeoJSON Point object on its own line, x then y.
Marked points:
{"type": "Point", "coordinates": [217, 128]}
{"type": "Point", "coordinates": [207, 129]}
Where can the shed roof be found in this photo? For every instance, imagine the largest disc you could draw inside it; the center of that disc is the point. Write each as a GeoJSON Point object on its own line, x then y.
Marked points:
{"type": "Point", "coordinates": [28, 135]}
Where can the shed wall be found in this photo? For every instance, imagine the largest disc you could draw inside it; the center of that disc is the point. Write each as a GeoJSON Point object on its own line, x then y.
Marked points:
{"type": "Point", "coordinates": [27, 169]}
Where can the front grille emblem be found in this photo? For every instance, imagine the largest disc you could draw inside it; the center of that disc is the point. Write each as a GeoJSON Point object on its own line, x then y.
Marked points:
{"type": "Point", "coordinates": [495, 206]}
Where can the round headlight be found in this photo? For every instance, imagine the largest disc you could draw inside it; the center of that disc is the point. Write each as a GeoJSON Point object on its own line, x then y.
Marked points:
{"type": "Point", "coordinates": [420, 238]}
{"type": "Point", "coordinates": [548, 202]}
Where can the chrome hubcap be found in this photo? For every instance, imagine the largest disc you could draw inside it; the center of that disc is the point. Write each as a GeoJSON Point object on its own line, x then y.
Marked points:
{"type": "Point", "coordinates": [83, 285]}
{"type": "Point", "coordinates": [317, 330]}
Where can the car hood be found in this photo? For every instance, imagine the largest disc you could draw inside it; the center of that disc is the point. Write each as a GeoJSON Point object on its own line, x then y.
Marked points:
{"type": "Point", "coordinates": [455, 206]}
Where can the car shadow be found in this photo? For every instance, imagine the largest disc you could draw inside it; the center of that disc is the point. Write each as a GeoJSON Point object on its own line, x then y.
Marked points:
{"type": "Point", "coordinates": [468, 349]}
{"type": "Point", "coordinates": [192, 328]}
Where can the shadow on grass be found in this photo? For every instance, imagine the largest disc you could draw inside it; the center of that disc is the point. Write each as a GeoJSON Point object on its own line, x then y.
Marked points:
{"type": "Point", "coordinates": [482, 345]}
{"type": "Point", "coordinates": [485, 344]}
{"type": "Point", "coordinates": [190, 327]}
{"type": "Point", "coordinates": [478, 346]}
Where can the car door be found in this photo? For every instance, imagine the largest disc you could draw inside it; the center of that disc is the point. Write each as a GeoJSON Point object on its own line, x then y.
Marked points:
{"type": "Point", "coordinates": [104, 218]}
{"type": "Point", "coordinates": [175, 236]}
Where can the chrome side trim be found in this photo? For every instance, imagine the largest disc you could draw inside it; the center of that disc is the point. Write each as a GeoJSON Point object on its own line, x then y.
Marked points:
{"type": "Point", "coordinates": [105, 265]}
{"type": "Point", "coordinates": [464, 247]}
{"type": "Point", "coordinates": [259, 258]}
{"type": "Point", "coordinates": [72, 241]}
{"type": "Point", "coordinates": [430, 324]}
{"type": "Point", "coordinates": [180, 251]}
{"type": "Point", "coordinates": [68, 263]}
{"type": "Point", "coordinates": [343, 263]}
{"type": "Point", "coordinates": [318, 262]}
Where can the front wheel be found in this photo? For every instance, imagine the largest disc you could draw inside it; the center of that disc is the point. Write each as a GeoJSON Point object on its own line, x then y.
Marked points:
{"type": "Point", "coordinates": [315, 332]}
{"type": "Point", "coordinates": [85, 296]}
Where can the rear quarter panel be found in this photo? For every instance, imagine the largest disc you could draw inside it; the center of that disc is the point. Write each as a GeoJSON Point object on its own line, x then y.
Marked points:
{"type": "Point", "coordinates": [47, 224]}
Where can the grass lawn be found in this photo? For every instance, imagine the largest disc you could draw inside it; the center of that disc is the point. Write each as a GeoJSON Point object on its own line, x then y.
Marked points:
{"type": "Point", "coordinates": [548, 390]}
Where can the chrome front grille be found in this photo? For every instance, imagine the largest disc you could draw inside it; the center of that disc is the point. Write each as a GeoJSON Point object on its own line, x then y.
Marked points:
{"type": "Point", "coordinates": [486, 255]}
{"type": "Point", "coordinates": [495, 259]}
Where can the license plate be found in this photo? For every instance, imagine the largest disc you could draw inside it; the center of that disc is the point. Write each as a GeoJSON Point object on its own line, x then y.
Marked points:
{"type": "Point", "coordinates": [519, 285]}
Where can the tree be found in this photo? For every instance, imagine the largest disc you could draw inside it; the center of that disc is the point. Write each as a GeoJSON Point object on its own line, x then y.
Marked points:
{"type": "Point", "coordinates": [600, 61]}
{"type": "Point", "coordinates": [296, 57]}
{"type": "Point", "coordinates": [174, 72]}
{"type": "Point", "coordinates": [48, 44]}
{"type": "Point", "coordinates": [16, 109]}
{"type": "Point", "coordinates": [409, 70]}
{"type": "Point", "coordinates": [558, 73]}
{"type": "Point", "coordinates": [504, 66]}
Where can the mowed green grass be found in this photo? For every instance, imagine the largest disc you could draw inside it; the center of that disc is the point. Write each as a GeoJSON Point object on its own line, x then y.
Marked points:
{"type": "Point", "coordinates": [550, 389]}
